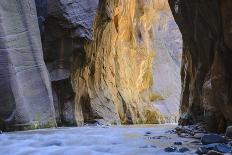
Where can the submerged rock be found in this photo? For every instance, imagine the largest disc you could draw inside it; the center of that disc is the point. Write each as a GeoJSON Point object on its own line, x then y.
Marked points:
{"type": "Point", "coordinates": [170, 149]}
{"type": "Point", "coordinates": [183, 150]}
{"type": "Point", "coordinates": [177, 143]}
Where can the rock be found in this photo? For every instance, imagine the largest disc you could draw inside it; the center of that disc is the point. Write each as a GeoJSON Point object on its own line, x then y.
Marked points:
{"type": "Point", "coordinates": [148, 133]}
{"type": "Point", "coordinates": [212, 138]}
{"type": "Point", "coordinates": [202, 150]}
{"type": "Point", "coordinates": [206, 63]}
{"type": "Point", "coordinates": [183, 150]}
{"type": "Point", "coordinates": [229, 132]}
{"type": "Point", "coordinates": [109, 84]}
{"type": "Point", "coordinates": [212, 152]}
{"type": "Point", "coordinates": [25, 93]}
{"type": "Point", "coordinates": [0, 132]}
{"type": "Point", "coordinates": [223, 148]}
{"type": "Point", "coordinates": [170, 149]}
{"type": "Point", "coordinates": [177, 143]}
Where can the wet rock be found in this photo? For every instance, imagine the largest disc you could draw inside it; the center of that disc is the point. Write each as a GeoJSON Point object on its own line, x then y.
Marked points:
{"type": "Point", "coordinates": [170, 149]}
{"type": "Point", "coordinates": [160, 137]}
{"type": "Point", "coordinates": [223, 148]}
{"type": "Point", "coordinates": [212, 152]}
{"type": "Point", "coordinates": [212, 138]}
{"type": "Point", "coordinates": [183, 150]}
{"type": "Point", "coordinates": [194, 131]}
{"type": "Point", "coordinates": [177, 143]}
{"type": "Point", "coordinates": [229, 132]}
{"type": "Point", "coordinates": [202, 150]}
{"type": "Point", "coordinates": [148, 132]}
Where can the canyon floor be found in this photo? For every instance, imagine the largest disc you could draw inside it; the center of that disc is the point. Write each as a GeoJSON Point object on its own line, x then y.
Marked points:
{"type": "Point", "coordinates": [93, 140]}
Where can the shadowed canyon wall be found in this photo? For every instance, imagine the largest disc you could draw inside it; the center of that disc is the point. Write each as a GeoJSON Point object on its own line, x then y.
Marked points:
{"type": "Point", "coordinates": [206, 67]}
{"type": "Point", "coordinates": [25, 90]}
{"type": "Point", "coordinates": [109, 61]}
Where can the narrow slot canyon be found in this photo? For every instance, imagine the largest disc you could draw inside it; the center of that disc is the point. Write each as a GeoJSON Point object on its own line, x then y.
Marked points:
{"type": "Point", "coordinates": [123, 77]}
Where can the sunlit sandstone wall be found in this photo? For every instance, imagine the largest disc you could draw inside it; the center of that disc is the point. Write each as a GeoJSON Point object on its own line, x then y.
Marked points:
{"type": "Point", "coordinates": [115, 80]}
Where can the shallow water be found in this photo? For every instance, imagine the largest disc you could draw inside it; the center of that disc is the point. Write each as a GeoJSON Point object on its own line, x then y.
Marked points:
{"type": "Point", "coordinates": [117, 140]}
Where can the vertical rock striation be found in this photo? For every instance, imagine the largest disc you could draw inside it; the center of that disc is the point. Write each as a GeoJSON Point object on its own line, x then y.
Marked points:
{"type": "Point", "coordinates": [206, 74]}
{"type": "Point", "coordinates": [25, 94]}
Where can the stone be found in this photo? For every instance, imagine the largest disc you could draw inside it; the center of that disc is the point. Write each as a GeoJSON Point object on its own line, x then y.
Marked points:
{"type": "Point", "coordinates": [183, 150]}
{"type": "Point", "coordinates": [25, 95]}
{"type": "Point", "coordinates": [223, 148]}
{"type": "Point", "coordinates": [177, 143]}
{"type": "Point", "coordinates": [202, 150]}
{"type": "Point", "coordinates": [170, 149]}
{"type": "Point", "coordinates": [112, 75]}
{"type": "Point", "coordinates": [229, 132]}
{"type": "Point", "coordinates": [148, 133]}
{"type": "Point", "coordinates": [212, 138]}
{"type": "Point", "coordinates": [206, 95]}
{"type": "Point", "coordinates": [212, 152]}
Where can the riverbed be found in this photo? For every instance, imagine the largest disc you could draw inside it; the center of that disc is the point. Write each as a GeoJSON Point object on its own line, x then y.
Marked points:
{"type": "Point", "coordinates": [95, 140]}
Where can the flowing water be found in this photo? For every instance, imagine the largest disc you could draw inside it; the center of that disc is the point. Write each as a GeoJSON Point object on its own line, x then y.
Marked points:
{"type": "Point", "coordinates": [115, 140]}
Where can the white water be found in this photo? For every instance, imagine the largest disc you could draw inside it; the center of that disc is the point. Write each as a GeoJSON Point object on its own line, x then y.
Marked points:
{"type": "Point", "coordinates": [120, 140]}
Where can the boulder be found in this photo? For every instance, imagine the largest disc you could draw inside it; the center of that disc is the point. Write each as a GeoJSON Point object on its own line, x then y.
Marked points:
{"type": "Point", "coordinates": [212, 138]}
{"type": "Point", "coordinates": [229, 132]}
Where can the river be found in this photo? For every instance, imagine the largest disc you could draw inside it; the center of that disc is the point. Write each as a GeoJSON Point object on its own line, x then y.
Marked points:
{"type": "Point", "coordinates": [115, 140]}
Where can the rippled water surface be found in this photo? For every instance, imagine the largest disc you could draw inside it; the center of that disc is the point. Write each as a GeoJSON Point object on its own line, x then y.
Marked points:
{"type": "Point", "coordinates": [118, 140]}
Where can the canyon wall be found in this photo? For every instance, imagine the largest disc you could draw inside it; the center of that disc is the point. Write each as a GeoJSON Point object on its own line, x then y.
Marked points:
{"type": "Point", "coordinates": [25, 91]}
{"type": "Point", "coordinates": [115, 80]}
{"type": "Point", "coordinates": [109, 48]}
{"type": "Point", "coordinates": [100, 56]}
{"type": "Point", "coordinates": [206, 62]}
{"type": "Point", "coordinates": [167, 44]}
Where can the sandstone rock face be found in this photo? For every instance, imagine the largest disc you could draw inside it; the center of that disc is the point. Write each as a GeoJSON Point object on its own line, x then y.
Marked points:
{"type": "Point", "coordinates": [100, 55]}
{"type": "Point", "coordinates": [114, 81]}
{"type": "Point", "coordinates": [110, 46]}
{"type": "Point", "coordinates": [166, 66]}
{"type": "Point", "coordinates": [25, 94]}
{"type": "Point", "coordinates": [206, 74]}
